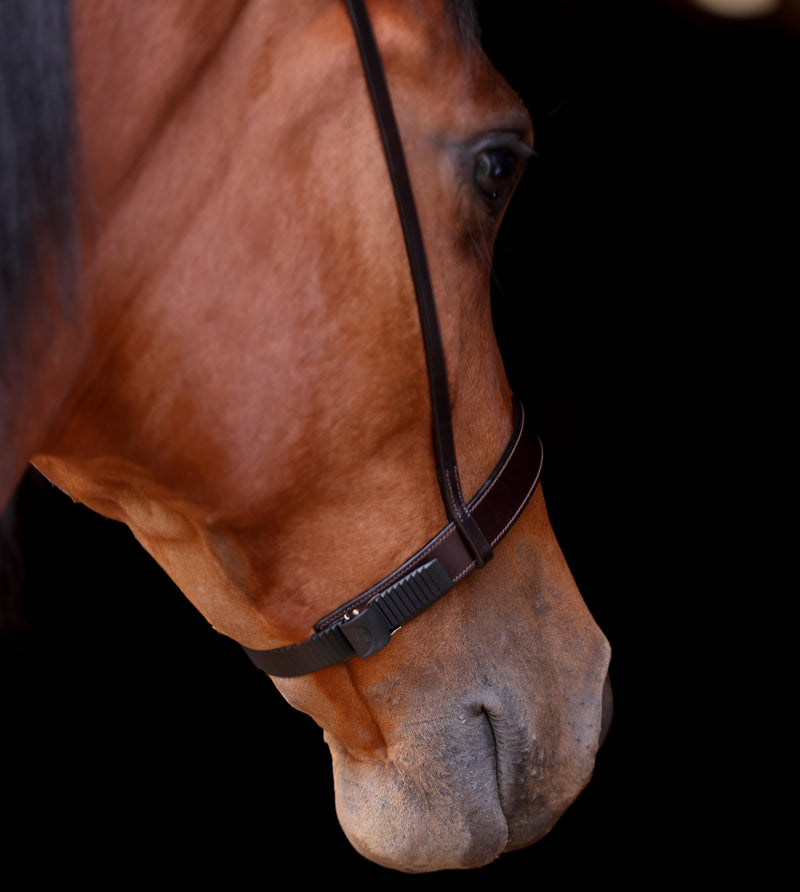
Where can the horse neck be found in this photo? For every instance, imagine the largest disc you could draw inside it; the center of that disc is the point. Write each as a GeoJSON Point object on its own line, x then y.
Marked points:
{"type": "Point", "coordinates": [45, 349]}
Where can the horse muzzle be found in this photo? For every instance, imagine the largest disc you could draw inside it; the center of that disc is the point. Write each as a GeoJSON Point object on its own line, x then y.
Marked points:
{"type": "Point", "coordinates": [457, 793]}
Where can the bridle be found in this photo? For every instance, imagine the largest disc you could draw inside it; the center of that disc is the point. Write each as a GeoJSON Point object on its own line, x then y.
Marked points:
{"type": "Point", "coordinates": [365, 624]}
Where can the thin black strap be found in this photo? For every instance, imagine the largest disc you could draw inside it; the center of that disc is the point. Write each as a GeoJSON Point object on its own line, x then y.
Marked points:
{"type": "Point", "coordinates": [444, 442]}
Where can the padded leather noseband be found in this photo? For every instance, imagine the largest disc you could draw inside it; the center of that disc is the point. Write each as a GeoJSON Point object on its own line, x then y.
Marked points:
{"type": "Point", "coordinates": [365, 624]}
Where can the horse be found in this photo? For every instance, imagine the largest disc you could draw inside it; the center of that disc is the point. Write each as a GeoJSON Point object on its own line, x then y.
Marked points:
{"type": "Point", "coordinates": [212, 333]}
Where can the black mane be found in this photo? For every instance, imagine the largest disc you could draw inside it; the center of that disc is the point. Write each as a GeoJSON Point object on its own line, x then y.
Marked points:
{"type": "Point", "coordinates": [37, 139]}
{"type": "Point", "coordinates": [465, 14]}
{"type": "Point", "coordinates": [36, 166]}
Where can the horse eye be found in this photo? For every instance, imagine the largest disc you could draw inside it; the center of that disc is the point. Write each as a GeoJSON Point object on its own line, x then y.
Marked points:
{"type": "Point", "coordinates": [495, 172]}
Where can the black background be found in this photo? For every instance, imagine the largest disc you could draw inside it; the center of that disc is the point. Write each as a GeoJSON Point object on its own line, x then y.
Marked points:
{"type": "Point", "coordinates": [642, 304]}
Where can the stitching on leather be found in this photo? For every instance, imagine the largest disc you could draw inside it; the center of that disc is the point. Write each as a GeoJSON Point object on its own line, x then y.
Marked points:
{"type": "Point", "coordinates": [456, 499]}
{"type": "Point", "coordinates": [411, 564]}
{"type": "Point", "coordinates": [511, 453]}
{"type": "Point", "coordinates": [517, 513]}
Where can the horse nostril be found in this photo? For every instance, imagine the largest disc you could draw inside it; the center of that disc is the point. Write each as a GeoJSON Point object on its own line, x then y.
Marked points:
{"type": "Point", "coordinates": [608, 710]}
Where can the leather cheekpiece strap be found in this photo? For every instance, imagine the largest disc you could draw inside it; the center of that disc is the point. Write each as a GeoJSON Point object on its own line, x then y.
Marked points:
{"type": "Point", "coordinates": [443, 440]}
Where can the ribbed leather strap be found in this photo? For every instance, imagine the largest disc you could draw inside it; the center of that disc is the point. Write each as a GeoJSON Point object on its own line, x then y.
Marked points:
{"type": "Point", "coordinates": [362, 626]}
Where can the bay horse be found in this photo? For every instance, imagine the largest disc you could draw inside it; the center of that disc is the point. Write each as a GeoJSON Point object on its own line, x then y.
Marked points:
{"type": "Point", "coordinates": [212, 332]}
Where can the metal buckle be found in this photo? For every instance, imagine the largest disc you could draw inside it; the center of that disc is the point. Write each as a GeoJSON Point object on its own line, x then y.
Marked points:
{"type": "Point", "coordinates": [368, 631]}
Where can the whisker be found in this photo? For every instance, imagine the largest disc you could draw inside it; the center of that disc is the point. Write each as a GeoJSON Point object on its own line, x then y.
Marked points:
{"type": "Point", "coordinates": [556, 110]}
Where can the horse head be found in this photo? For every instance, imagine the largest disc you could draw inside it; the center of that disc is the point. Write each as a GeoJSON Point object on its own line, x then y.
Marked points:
{"type": "Point", "coordinates": [249, 393]}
